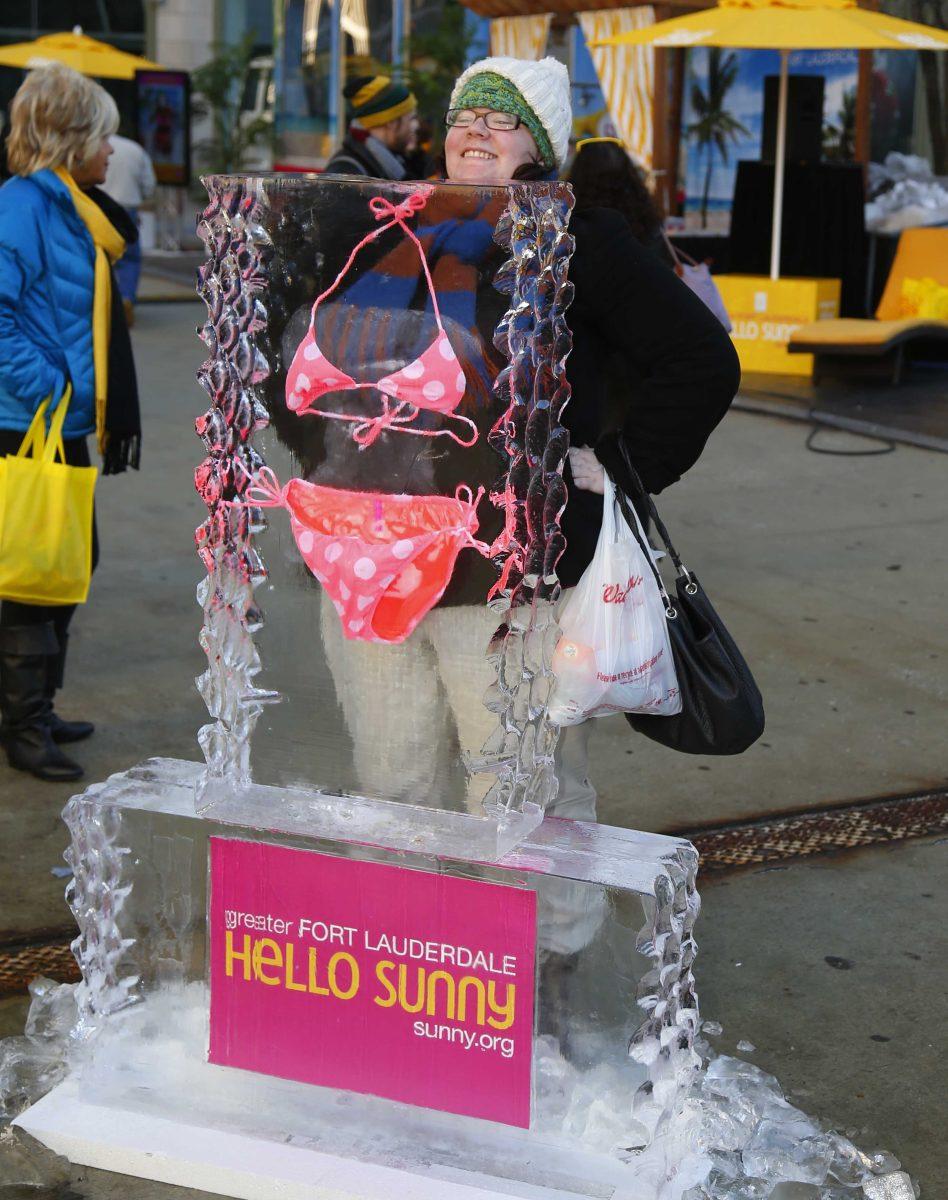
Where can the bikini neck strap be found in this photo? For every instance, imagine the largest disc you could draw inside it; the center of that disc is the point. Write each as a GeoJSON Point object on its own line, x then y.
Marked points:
{"type": "Point", "coordinates": [392, 214]}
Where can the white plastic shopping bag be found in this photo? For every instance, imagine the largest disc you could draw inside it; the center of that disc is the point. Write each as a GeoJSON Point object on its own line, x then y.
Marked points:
{"type": "Point", "coordinates": [614, 654]}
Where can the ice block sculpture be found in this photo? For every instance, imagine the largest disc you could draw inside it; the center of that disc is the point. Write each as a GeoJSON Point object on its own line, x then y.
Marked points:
{"type": "Point", "coordinates": [536, 339]}
{"type": "Point", "coordinates": [615, 1017]}
{"type": "Point", "coordinates": [231, 283]}
{"type": "Point", "coordinates": [619, 1102]}
{"type": "Point", "coordinates": [499, 259]}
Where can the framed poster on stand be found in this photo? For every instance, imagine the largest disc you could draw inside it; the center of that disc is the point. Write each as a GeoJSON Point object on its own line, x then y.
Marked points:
{"type": "Point", "coordinates": [164, 123]}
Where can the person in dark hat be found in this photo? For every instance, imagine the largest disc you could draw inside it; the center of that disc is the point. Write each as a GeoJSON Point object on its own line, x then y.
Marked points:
{"type": "Point", "coordinates": [383, 129]}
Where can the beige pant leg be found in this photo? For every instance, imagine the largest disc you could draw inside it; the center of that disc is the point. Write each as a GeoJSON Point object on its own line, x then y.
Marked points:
{"type": "Point", "coordinates": [460, 637]}
{"type": "Point", "coordinates": [575, 796]}
{"type": "Point", "coordinates": [394, 707]}
{"type": "Point", "coordinates": [571, 914]}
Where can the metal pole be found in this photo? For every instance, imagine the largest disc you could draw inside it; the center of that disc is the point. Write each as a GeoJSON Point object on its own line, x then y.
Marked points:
{"type": "Point", "coordinates": [779, 166]}
{"type": "Point", "coordinates": [336, 76]}
{"type": "Point", "coordinates": [151, 30]}
{"type": "Point", "coordinates": [399, 26]}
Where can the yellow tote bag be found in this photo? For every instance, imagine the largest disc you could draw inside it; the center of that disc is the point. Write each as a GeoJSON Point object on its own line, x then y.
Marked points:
{"type": "Point", "coordinates": [45, 517]}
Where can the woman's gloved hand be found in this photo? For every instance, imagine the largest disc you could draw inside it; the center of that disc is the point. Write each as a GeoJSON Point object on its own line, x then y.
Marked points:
{"type": "Point", "coordinates": [587, 469]}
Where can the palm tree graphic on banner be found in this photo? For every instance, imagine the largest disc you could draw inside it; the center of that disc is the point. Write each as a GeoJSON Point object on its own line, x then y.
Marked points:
{"type": "Point", "coordinates": [715, 126]}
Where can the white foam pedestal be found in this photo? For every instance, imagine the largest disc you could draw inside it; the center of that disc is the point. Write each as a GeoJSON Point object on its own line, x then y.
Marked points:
{"type": "Point", "coordinates": [229, 1164]}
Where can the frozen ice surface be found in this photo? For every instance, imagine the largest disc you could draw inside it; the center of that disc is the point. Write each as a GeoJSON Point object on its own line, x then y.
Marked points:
{"type": "Point", "coordinates": [287, 692]}
{"type": "Point", "coordinates": [895, 1186]}
{"type": "Point", "coordinates": [152, 1059]}
{"type": "Point", "coordinates": [762, 1148]}
{"type": "Point", "coordinates": [790, 1148]}
{"type": "Point", "coordinates": [32, 1064]}
{"type": "Point", "coordinates": [602, 1116]}
{"type": "Point", "coordinates": [746, 1047]}
{"type": "Point", "coordinates": [29, 1169]}
{"type": "Point", "coordinates": [388, 822]}
{"type": "Point", "coordinates": [52, 1012]}
{"type": "Point", "coordinates": [712, 1028]}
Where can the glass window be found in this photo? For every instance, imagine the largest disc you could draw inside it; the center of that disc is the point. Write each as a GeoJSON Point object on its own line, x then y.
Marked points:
{"type": "Point", "coordinates": [125, 16]}
{"type": "Point", "coordinates": [367, 25]}
{"type": "Point", "coordinates": [260, 20]}
{"type": "Point", "coordinates": [248, 101]}
{"type": "Point", "coordinates": [57, 15]}
{"type": "Point", "coordinates": [17, 17]}
{"type": "Point", "coordinates": [301, 118]}
{"type": "Point", "coordinates": [304, 68]}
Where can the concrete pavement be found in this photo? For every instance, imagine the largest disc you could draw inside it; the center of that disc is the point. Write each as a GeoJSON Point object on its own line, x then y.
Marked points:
{"type": "Point", "coordinates": [830, 573]}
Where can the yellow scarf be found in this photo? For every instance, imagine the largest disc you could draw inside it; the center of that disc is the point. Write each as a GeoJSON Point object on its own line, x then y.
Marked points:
{"type": "Point", "coordinates": [109, 247]}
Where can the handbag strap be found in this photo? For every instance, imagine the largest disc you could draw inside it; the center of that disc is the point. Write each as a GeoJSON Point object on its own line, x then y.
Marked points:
{"type": "Point", "coordinates": [679, 257]}
{"type": "Point", "coordinates": [631, 518]}
{"type": "Point", "coordinates": [37, 443]}
{"type": "Point", "coordinates": [54, 439]}
{"type": "Point", "coordinates": [35, 433]}
{"type": "Point", "coordinates": [650, 507]}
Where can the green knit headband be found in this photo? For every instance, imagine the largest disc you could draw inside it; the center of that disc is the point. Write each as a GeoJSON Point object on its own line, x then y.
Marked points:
{"type": "Point", "coordinates": [489, 90]}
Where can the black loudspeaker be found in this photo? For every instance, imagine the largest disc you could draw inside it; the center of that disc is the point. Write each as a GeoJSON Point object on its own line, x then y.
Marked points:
{"type": "Point", "coordinates": [804, 118]}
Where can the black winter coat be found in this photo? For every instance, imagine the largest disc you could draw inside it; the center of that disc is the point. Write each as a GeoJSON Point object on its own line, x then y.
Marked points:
{"type": "Point", "coordinates": [355, 158]}
{"type": "Point", "coordinates": [650, 364]}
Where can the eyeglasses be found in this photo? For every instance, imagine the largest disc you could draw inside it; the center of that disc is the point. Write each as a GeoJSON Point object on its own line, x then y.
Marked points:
{"type": "Point", "coordinates": [464, 118]}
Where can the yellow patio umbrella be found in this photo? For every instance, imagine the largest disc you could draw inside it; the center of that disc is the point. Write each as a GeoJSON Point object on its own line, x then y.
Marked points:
{"type": "Point", "coordinates": [82, 53]}
{"type": "Point", "coordinates": [785, 25]}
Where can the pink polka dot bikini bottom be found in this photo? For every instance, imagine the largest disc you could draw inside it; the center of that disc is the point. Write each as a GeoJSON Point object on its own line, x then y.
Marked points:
{"type": "Point", "coordinates": [385, 561]}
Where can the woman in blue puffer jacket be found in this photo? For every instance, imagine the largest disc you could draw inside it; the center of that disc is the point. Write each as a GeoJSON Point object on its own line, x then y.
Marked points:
{"type": "Point", "coordinates": [61, 323]}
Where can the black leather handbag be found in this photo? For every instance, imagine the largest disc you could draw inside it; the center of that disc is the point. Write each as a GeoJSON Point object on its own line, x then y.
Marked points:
{"type": "Point", "coordinates": [721, 707]}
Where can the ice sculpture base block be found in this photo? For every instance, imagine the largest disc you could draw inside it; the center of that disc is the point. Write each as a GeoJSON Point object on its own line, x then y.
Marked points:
{"type": "Point", "coordinates": [227, 1164]}
{"type": "Point", "coordinates": [382, 822]}
{"type": "Point", "coordinates": [606, 1014]}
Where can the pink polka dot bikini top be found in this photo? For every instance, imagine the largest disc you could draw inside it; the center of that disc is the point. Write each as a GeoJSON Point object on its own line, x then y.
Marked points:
{"type": "Point", "coordinates": [434, 381]}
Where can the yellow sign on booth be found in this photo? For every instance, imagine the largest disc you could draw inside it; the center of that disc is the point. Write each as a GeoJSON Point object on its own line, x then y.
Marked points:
{"type": "Point", "coordinates": [765, 312]}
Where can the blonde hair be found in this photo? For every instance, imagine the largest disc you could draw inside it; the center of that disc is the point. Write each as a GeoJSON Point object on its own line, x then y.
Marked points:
{"type": "Point", "coordinates": [57, 119]}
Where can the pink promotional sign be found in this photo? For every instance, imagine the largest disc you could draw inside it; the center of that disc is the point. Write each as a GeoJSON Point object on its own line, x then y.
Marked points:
{"type": "Point", "coordinates": [373, 978]}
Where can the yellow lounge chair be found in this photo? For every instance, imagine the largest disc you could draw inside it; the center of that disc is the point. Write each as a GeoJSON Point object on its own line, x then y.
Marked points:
{"type": "Point", "coordinates": [921, 253]}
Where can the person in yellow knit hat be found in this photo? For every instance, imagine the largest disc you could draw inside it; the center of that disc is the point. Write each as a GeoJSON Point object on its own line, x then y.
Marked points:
{"type": "Point", "coordinates": [62, 336]}
{"type": "Point", "coordinates": [383, 129]}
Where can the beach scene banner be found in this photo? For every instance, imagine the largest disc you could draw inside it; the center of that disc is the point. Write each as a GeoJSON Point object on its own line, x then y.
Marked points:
{"type": "Point", "coordinates": [723, 119]}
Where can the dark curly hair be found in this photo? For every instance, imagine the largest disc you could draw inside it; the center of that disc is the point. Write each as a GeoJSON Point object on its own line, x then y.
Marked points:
{"type": "Point", "coordinates": [604, 176]}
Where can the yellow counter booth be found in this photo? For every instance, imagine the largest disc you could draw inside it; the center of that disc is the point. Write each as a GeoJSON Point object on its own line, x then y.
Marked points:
{"type": "Point", "coordinates": [765, 312]}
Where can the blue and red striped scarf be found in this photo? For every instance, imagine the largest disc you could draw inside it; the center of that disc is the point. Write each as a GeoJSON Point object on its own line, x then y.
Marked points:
{"type": "Point", "coordinates": [456, 230]}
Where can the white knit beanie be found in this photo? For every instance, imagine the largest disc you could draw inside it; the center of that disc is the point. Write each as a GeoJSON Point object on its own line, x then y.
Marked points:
{"type": "Point", "coordinates": [544, 86]}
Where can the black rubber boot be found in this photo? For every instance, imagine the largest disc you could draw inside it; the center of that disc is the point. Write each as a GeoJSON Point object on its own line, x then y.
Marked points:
{"type": "Point", "coordinates": [556, 994]}
{"type": "Point", "coordinates": [62, 731]}
{"type": "Point", "coordinates": [25, 706]}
